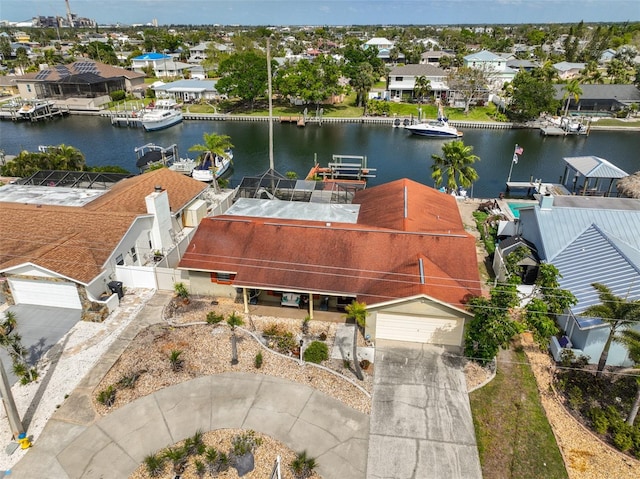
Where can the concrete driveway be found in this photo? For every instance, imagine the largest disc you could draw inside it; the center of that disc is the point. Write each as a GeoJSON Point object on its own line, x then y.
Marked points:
{"type": "Point", "coordinates": [41, 327]}
{"type": "Point", "coordinates": [421, 424]}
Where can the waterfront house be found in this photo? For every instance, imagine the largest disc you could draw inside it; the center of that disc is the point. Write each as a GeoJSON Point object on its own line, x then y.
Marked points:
{"type": "Point", "coordinates": [189, 91]}
{"type": "Point", "coordinates": [590, 240]}
{"type": "Point", "coordinates": [62, 245]}
{"type": "Point", "coordinates": [401, 81]}
{"type": "Point", "coordinates": [85, 78]}
{"type": "Point", "coordinates": [399, 247]}
{"type": "Point", "coordinates": [600, 98]}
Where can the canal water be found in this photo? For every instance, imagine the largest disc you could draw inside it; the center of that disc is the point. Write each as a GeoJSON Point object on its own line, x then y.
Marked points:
{"type": "Point", "coordinates": [392, 151]}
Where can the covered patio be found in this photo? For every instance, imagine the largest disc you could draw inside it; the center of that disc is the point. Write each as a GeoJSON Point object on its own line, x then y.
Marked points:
{"type": "Point", "coordinates": [591, 176]}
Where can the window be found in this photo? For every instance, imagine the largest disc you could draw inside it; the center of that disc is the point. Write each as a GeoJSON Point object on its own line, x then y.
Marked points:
{"type": "Point", "coordinates": [398, 78]}
{"type": "Point", "coordinates": [223, 278]}
{"type": "Point", "coordinates": [134, 255]}
{"type": "Point", "coordinates": [119, 260]}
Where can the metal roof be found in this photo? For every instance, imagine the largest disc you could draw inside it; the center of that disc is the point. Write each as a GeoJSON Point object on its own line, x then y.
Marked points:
{"type": "Point", "coordinates": [596, 257]}
{"type": "Point", "coordinates": [295, 210]}
{"type": "Point", "coordinates": [594, 167]}
{"type": "Point", "coordinates": [559, 226]}
{"type": "Point", "coordinates": [47, 195]}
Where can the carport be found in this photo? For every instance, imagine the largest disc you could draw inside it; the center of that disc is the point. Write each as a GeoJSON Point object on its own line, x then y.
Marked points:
{"type": "Point", "coordinates": [421, 423]}
{"type": "Point", "coordinates": [40, 327]}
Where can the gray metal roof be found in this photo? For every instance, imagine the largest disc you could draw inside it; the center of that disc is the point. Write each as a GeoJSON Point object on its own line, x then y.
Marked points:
{"type": "Point", "coordinates": [595, 257]}
{"type": "Point", "coordinates": [621, 93]}
{"type": "Point", "coordinates": [295, 210]}
{"type": "Point", "coordinates": [594, 167]}
{"type": "Point", "coordinates": [559, 226]}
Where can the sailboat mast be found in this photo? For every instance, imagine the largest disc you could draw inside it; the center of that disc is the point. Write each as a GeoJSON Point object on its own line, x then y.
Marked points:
{"type": "Point", "coordinates": [271, 162]}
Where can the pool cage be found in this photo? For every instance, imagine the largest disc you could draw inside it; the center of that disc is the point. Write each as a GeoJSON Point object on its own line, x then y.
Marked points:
{"type": "Point", "coordinates": [273, 185]}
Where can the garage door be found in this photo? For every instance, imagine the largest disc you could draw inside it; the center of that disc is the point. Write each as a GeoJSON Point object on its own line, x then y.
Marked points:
{"type": "Point", "coordinates": [45, 293]}
{"type": "Point", "coordinates": [419, 329]}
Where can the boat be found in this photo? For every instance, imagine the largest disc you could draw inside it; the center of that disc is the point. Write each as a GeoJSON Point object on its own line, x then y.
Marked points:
{"type": "Point", "coordinates": [166, 113]}
{"type": "Point", "coordinates": [32, 109]}
{"type": "Point", "coordinates": [152, 155]}
{"type": "Point", "coordinates": [438, 128]}
{"type": "Point", "coordinates": [184, 166]}
{"type": "Point", "coordinates": [343, 168]}
{"type": "Point", "coordinates": [212, 166]}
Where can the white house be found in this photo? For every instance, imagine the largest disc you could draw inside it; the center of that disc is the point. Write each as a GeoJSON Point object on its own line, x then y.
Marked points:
{"type": "Point", "coordinates": [401, 81]}
{"type": "Point", "coordinates": [495, 66]}
{"type": "Point", "coordinates": [62, 246]}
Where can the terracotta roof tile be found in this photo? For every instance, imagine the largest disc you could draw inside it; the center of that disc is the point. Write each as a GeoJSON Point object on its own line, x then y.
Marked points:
{"type": "Point", "coordinates": [70, 241]}
{"type": "Point", "coordinates": [76, 242]}
{"type": "Point", "coordinates": [128, 195]}
{"type": "Point", "coordinates": [376, 260]}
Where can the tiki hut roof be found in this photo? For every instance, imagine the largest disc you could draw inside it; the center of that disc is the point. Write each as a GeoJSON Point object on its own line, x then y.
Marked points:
{"type": "Point", "coordinates": [629, 186]}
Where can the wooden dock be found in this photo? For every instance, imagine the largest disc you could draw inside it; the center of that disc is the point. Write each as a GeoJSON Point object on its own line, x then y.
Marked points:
{"type": "Point", "coordinates": [537, 187]}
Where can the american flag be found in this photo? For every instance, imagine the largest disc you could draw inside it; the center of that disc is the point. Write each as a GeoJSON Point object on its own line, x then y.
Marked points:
{"type": "Point", "coordinates": [519, 150]}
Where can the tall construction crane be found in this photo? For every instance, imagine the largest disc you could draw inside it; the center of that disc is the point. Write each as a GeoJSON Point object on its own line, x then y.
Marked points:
{"type": "Point", "coordinates": [69, 14]}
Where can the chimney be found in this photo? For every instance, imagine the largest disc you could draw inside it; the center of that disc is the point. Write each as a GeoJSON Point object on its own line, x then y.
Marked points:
{"type": "Point", "coordinates": [158, 206]}
{"type": "Point", "coordinates": [546, 202]}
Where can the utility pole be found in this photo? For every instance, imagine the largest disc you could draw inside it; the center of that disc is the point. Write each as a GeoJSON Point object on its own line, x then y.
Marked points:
{"type": "Point", "coordinates": [271, 162]}
{"type": "Point", "coordinates": [9, 404]}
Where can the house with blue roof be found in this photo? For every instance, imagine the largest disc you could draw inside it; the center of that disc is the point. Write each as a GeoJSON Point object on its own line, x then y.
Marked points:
{"type": "Point", "coordinates": [590, 240]}
{"type": "Point", "coordinates": [163, 65]}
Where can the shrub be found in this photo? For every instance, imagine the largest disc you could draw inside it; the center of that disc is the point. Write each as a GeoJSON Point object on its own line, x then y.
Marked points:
{"type": "Point", "coordinates": [305, 325]}
{"type": "Point", "coordinates": [303, 465]}
{"type": "Point", "coordinates": [195, 444]}
{"type": "Point", "coordinates": [323, 336]}
{"type": "Point", "coordinates": [245, 443]}
{"type": "Point", "coordinates": [154, 465]}
{"type": "Point", "coordinates": [181, 291]}
{"type": "Point", "coordinates": [128, 381]}
{"type": "Point", "coordinates": [365, 363]}
{"type": "Point", "coordinates": [600, 421]}
{"type": "Point", "coordinates": [316, 352]}
{"type": "Point", "coordinates": [575, 398]}
{"type": "Point", "coordinates": [174, 359]}
{"type": "Point", "coordinates": [214, 318]}
{"type": "Point", "coordinates": [623, 439]}
{"type": "Point", "coordinates": [118, 95]}
{"type": "Point", "coordinates": [280, 338]}
{"type": "Point", "coordinates": [107, 396]}
{"type": "Point", "coordinates": [258, 360]}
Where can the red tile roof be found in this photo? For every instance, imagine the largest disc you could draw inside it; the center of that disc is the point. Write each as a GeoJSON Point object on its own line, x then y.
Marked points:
{"type": "Point", "coordinates": [377, 260]}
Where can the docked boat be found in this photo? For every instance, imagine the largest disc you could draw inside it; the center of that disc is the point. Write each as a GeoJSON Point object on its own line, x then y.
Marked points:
{"type": "Point", "coordinates": [152, 156]}
{"type": "Point", "coordinates": [166, 113]}
{"type": "Point", "coordinates": [184, 166]}
{"type": "Point", "coordinates": [212, 167]}
{"type": "Point", "coordinates": [32, 109]}
{"type": "Point", "coordinates": [438, 128]}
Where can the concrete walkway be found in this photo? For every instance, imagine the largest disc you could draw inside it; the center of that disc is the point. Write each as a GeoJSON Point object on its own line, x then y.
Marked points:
{"type": "Point", "coordinates": [77, 443]}
{"type": "Point", "coordinates": [421, 424]}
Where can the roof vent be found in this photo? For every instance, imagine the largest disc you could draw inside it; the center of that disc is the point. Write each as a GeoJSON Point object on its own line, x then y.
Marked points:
{"type": "Point", "coordinates": [157, 188]}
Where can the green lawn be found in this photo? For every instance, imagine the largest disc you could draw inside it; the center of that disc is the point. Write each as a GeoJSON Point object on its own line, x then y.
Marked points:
{"type": "Point", "coordinates": [514, 438]}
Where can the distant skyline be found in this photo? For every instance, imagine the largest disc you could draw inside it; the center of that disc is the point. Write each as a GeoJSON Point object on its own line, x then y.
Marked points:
{"type": "Point", "coordinates": [328, 12]}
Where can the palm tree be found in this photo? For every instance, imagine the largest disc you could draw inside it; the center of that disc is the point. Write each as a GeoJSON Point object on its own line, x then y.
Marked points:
{"type": "Point", "coordinates": [67, 158]}
{"type": "Point", "coordinates": [455, 163]}
{"type": "Point", "coordinates": [631, 339]}
{"type": "Point", "coordinates": [571, 90]}
{"type": "Point", "coordinates": [614, 310]}
{"type": "Point", "coordinates": [303, 465]}
{"type": "Point", "coordinates": [218, 145]}
{"type": "Point", "coordinates": [422, 87]}
{"type": "Point", "coordinates": [234, 320]}
{"type": "Point", "coordinates": [358, 312]}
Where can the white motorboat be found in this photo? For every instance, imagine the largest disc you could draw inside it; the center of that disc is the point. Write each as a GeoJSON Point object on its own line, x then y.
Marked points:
{"type": "Point", "coordinates": [212, 167]}
{"type": "Point", "coordinates": [34, 108]}
{"type": "Point", "coordinates": [438, 128]}
{"type": "Point", "coordinates": [152, 156]}
{"type": "Point", "coordinates": [166, 113]}
{"type": "Point", "coordinates": [184, 166]}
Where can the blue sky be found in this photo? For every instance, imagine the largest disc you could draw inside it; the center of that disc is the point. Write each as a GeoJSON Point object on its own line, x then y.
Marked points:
{"type": "Point", "coordinates": [330, 12]}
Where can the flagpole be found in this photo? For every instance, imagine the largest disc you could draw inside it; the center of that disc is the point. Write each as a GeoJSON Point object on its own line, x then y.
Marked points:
{"type": "Point", "coordinates": [514, 159]}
